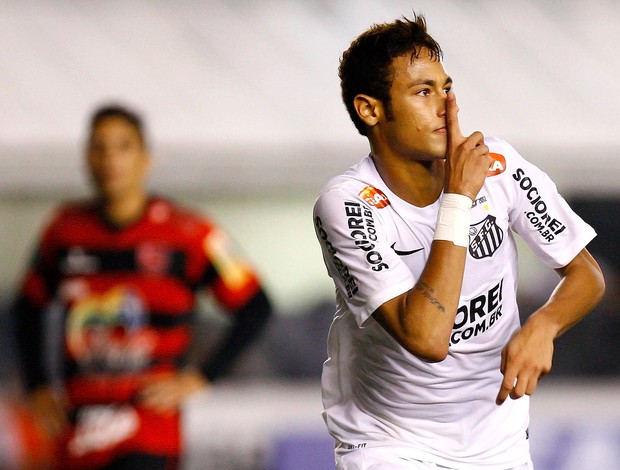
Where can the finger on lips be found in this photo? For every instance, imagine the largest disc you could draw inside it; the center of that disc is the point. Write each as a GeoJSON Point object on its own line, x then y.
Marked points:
{"type": "Point", "coordinates": [452, 121]}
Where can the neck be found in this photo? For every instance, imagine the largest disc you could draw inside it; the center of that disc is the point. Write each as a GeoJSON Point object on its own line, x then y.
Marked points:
{"type": "Point", "coordinates": [418, 182]}
{"type": "Point", "coordinates": [124, 210]}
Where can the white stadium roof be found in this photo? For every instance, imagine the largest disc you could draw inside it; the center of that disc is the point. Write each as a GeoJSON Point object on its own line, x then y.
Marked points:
{"type": "Point", "coordinates": [244, 94]}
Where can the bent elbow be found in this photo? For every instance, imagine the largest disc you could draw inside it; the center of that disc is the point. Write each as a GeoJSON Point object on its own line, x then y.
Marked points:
{"type": "Point", "coordinates": [429, 352]}
{"type": "Point", "coordinates": [594, 278]}
{"type": "Point", "coordinates": [600, 288]}
{"type": "Point", "coordinates": [597, 283]}
{"type": "Point", "coordinates": [434, 356]}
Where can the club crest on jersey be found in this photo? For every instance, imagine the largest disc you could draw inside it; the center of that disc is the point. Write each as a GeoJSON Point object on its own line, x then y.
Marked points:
{"type": "Point", "coordinates": [374, 197]}
{"type": "Point", "coordinates": [498, 165]}
{"type": "Point", "coordinates": [485, 237]}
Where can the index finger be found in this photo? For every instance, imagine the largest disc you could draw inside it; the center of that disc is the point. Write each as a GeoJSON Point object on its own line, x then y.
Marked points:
{"type": "Point", "coordinates": [505, 389]}
{"type": "Point", "coordinates": [452, 120]}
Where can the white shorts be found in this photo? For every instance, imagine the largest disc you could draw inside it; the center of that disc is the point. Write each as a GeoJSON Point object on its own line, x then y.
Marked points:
{"type": "Point", "coordinates": [381, 458]}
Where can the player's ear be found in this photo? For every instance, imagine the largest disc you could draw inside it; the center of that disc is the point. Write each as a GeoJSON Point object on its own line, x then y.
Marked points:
{"type": "Point", "coordinates": [368, 109]}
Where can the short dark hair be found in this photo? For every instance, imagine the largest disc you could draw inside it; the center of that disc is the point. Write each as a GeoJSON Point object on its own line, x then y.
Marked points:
{"type": "Point", "coordinates": [122, 112]}
{"type": "Point", "coordinates": [365, 67]}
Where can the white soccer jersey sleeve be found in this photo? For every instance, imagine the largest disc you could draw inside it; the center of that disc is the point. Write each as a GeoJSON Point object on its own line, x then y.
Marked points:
{"type": "Point", "coordinates": [365, 269]}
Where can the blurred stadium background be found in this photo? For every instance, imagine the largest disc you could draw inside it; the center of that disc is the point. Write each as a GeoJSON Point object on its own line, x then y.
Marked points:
{"type": "Point", "coordinates": [242, 103]}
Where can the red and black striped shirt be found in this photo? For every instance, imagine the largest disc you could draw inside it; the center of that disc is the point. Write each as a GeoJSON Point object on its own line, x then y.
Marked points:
{"type": "Point", "coordinates": [128, 295]}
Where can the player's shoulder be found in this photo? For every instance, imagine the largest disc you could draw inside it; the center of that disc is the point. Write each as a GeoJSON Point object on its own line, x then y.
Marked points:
{"type": "Point", "coordinates": [350, 184]}
{"type": "Point", "coordinates": [73, 211]}
{"type": "Point", "coordinates": [505, 156]}
{"type": "Point", "coordinates": [500, 146]}
{"type": "Point", "coordinates": [69, 217]}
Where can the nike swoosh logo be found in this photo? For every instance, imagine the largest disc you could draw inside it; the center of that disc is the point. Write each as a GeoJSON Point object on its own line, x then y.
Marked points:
{"type": "Point", "coordinates": [404, 252]}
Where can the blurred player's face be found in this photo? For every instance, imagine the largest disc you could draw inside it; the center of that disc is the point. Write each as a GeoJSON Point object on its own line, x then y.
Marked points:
{"type": "Point", "coordinates": [416, 127]}
{"type": "Point", "coordinates": [117, 159]}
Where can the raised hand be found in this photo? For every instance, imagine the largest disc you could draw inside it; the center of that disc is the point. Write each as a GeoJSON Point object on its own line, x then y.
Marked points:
{"type": "Point", "coordinates": [467, 158]}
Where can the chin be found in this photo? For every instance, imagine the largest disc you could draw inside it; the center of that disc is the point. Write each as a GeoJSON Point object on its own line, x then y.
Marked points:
{"type": "Point", "coordinates": [435, 155]}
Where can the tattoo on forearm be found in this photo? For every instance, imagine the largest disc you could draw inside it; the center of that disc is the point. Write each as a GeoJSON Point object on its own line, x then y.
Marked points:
{"type": "Point", "coordinates": [427, 291]}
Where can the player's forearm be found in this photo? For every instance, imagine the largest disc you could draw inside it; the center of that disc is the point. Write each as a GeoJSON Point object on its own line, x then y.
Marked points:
{"type": "Point", "coordinates": [580, 289]}
{"type": "Point", "coordinates": [421, 320]}
{"type": "Point", "coordinates": [248, 323]}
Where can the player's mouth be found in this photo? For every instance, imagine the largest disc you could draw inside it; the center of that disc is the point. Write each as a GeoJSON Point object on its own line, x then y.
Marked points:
{"type": "Point", "coordinates": [441, 130]}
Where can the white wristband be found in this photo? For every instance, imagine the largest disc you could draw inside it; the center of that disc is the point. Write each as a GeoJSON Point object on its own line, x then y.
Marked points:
{"type": "Point", "coordinates": [453, 219]}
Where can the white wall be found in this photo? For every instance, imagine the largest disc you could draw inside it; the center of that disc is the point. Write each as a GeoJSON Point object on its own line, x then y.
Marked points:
{"type": "Point", "coordinates": [247, 90]}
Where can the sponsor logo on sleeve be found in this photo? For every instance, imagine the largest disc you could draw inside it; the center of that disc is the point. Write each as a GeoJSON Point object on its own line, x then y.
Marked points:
{"type": "Point", "coordinates": [374, 197]}
{"type": "Point", "coordinates": [498, 165]}
{"type": "Point", "coordinates": [234, 272]}
{"type": "Point", "coordinates": [347, 278]}
{"type": "Point", "coordinates": [361, 223]}
{"type": "Point", "coordinates": [538, 215]}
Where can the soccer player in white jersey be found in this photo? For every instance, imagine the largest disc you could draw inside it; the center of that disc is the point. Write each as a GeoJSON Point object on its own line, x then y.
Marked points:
{"type": "Point", "coordinates": [429, 367]}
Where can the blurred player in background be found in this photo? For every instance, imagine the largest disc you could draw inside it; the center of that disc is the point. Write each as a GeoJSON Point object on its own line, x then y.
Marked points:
{"type": "Point", "coordinates": [124, 269]}
{"type": "Point", "coordinates": [428, 365]}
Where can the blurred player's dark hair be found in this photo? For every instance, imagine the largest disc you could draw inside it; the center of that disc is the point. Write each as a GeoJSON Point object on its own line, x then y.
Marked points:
{"type": "Point", "coordinates": [118, 111]}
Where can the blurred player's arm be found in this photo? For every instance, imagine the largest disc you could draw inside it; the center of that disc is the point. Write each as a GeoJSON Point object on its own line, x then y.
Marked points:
{"type": "Point", "coordinates": [248, 322]}
{"type": "Point", "coordinates": [28, 313]}
{"type": "Point", "coordinates": [238, 289]}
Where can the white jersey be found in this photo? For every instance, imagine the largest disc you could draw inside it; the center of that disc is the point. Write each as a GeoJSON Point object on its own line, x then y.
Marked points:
{"type": "Point", "coordinates": [375, 246]}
